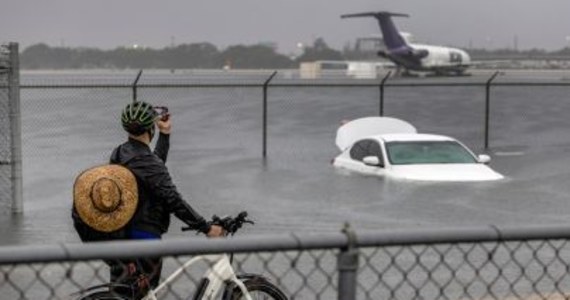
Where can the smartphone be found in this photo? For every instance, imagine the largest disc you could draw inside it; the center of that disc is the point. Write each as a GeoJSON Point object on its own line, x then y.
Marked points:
{"type": "Point", "coordinates": [162, 112]}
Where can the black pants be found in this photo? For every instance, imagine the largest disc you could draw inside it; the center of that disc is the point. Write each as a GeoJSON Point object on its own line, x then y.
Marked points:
{"type": "Point", "coordinates": [134, 278]}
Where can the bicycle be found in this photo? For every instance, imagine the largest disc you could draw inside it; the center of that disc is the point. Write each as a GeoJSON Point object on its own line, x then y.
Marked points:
{"type": "Point", "coordinates": [219, 280]}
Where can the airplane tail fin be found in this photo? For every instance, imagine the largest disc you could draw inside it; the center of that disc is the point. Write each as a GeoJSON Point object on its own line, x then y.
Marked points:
{"type": "Point", "coordinates": [390, 34]}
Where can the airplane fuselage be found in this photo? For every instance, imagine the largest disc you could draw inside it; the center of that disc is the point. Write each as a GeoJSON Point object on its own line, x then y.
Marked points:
{"type": "Point", "coordinates": [415, 57]}
{"type": "Point", "coordinates": [439, 59]}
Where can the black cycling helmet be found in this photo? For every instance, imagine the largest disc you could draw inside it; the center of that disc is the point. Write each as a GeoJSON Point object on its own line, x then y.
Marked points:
{"type": "Point", "coordinates": [138, 117]}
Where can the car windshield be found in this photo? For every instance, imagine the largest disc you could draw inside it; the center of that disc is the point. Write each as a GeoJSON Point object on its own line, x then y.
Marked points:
{"type": "Point", "coordinates": [428, 152]}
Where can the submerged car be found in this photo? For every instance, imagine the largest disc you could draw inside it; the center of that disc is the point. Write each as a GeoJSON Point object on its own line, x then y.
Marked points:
{"type": "Point", "coordinates": [393, 148]}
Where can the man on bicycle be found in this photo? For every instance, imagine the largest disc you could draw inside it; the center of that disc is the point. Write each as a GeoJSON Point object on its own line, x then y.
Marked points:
{"type": "Point", "coordinates": [158, 196]}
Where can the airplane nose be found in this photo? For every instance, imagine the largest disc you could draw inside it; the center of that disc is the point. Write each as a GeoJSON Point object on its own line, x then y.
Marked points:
{"type": "Point", "coordinates": [466, 57]}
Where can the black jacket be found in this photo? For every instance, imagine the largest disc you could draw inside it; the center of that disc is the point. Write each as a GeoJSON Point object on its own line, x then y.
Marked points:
{"type": "Point", "coordinates": [158, 196]}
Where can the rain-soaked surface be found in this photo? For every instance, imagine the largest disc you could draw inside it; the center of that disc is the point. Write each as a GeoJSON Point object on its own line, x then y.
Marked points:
{"type": "Point", "coordinates": [216, 153]}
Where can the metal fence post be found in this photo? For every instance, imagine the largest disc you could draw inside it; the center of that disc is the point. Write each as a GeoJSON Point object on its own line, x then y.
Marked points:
{"type": "Point", "coordinates": [487, 107]}
{"type": "Point", "coordinates": [347, 266]}
{"type": "Point", "coordinates": [381, 112]}
{"type": "Point", "coordinates": [135, 83]}
{"type": "Point", "coordinates": [15, 128]}
{"type": "Point", "coordinates": [265, 86]}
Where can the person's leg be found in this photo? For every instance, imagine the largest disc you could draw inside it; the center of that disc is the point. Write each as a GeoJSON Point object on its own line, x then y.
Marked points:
{"type": "Point", "coordinates": [122, 274]}
{"type": "Point", "coordinates": [150, 267]}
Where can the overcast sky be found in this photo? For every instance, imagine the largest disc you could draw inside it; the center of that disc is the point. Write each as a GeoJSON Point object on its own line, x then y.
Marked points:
{"type": "Point", "coordinates": [108, 24]}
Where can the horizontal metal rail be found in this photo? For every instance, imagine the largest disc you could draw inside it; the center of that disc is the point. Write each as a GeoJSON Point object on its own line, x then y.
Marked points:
{"type": "Point", "coordinates": [289, 84]}
{"type": "Point", "coordinates": [282, 242]}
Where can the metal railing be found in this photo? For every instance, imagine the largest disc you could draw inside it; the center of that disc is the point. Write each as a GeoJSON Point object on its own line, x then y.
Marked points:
{"type": "Point", "coordinates": [462, 263]}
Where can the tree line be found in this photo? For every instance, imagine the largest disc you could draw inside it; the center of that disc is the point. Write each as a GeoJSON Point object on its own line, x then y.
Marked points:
{"type": "Point", "coordinates": [185, 56]}
{"type": "Point", "coordinates": [208, 56]}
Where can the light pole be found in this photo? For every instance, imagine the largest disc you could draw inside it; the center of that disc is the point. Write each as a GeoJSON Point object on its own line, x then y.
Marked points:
{"type": "Point", "coordinates": [300, 48]}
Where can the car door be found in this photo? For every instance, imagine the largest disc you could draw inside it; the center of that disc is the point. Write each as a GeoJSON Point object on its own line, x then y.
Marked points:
{"type": "Point", "coordinates": [365, 148]}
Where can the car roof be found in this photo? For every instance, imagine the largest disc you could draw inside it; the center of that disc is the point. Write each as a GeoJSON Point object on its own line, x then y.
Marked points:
{"type": "Point", "coordinates": [412, 137]}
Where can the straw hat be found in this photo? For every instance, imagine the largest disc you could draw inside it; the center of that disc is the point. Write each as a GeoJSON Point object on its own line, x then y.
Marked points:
{"type": "Point", "coordinates": [105, 197]}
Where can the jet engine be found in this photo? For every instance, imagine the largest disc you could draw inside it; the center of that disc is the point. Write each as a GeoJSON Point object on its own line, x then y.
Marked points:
{"type": "Point", "coordinates": [419, 53]}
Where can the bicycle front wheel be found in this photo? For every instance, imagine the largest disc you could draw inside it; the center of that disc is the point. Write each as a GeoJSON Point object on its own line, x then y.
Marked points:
{"type": "Point", "coordinates": [259, 288]}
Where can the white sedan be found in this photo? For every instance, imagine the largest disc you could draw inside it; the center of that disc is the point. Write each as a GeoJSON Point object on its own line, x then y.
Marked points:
{"type": "Point", "coordinates": [390, 147]}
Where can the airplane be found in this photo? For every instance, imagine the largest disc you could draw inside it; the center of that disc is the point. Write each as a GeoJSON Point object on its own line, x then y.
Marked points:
{"type": "Point", "coordinates": [416, 57]}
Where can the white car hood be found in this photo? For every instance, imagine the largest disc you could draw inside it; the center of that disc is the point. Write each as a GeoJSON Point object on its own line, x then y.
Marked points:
{"type": "Point", "coordinates": [357, 129]}
{"type": "Point", "coordinates": [445, 172]}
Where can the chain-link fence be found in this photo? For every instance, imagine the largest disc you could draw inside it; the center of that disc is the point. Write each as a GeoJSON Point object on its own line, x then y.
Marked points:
{"type": "Point", "coordinates": [10, 137]}
{"type": "Point", "coordinates": [460, 263]}
{"type": "Point", "coordinates": [223, 123]}
{"type": "Point", "coordinates": [223, 126]}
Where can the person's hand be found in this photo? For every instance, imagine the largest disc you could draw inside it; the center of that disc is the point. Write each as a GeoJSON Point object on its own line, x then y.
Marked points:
{"type": "Point", "coordinates": [164, 126]}
{"type": "Point", "coordinates": [216, 231]}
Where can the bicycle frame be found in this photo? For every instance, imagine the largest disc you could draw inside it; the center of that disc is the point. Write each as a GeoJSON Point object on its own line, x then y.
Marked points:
{"type": "Point", "coordinates": [212, 283]}
{"type": "Point", "coordinates": [220, 276]}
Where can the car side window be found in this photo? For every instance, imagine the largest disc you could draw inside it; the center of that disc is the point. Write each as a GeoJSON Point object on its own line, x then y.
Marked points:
{"type": "Point", "coordinates": [374, 150]}
{"type": "Point", "coordinates": [359, 150]}
{"type": "Point", "coordinates": [365, 148]}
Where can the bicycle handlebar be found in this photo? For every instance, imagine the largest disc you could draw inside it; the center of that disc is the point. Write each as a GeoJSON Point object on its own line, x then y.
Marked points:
{"type": "Point", "coordinates": [228, 223]}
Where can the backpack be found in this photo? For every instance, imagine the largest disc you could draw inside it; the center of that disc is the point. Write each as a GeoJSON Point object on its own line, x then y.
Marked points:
{"type": "Point", "coordinates": [88, 234]}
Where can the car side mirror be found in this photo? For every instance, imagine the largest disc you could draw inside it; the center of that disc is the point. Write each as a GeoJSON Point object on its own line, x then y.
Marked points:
{"type": "Point", "coordinates": [484, 159]}
{"type": "Point", "coordinates": [373, 161]}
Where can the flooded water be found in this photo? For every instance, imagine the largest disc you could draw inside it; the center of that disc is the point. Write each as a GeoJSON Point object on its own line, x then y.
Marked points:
{"type": "Point", "coordinates": [216, 153]}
